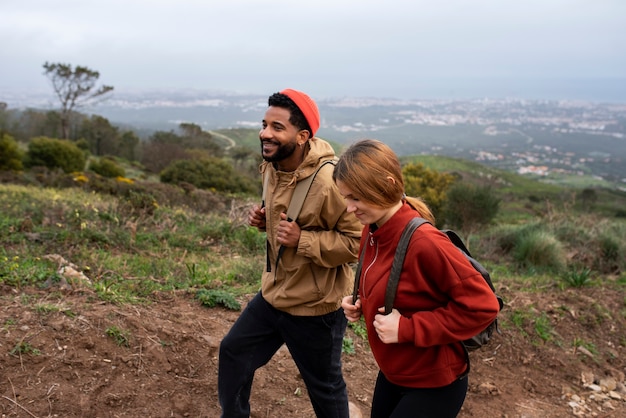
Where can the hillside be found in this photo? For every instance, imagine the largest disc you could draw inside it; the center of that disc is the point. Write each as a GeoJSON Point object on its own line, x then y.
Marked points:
{"type": "Point", "coordinates": [100, 316]}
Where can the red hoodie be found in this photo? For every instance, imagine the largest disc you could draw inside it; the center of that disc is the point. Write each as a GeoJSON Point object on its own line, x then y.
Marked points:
{"type": "Point", "coordinates": [442, 299]}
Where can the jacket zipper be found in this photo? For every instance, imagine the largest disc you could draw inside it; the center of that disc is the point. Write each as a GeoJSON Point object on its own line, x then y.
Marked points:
{"type": "Point", "coordinates": [372, 243]}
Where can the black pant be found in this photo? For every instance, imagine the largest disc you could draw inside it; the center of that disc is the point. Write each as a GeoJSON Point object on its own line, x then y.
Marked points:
{"type": "Point", "coordinates": [393, 401]}
{"type": "Point", "coordinates": [315, 343]}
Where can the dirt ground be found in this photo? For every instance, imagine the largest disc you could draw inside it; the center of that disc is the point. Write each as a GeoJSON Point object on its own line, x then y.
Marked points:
{"type": "Point", "coordinates": [59, 357]}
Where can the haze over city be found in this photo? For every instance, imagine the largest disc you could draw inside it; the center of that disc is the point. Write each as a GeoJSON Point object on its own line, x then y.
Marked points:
{"type": "Point", "coordinates": [537, 49]}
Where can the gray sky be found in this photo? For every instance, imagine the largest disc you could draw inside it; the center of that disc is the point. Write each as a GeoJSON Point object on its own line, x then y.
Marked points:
{"type": "Point", "coordinates": [395, 48]}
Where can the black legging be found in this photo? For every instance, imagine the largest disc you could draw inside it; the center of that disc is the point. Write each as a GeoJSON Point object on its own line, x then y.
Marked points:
{"type": "Point", "coordinates": [393, 401]}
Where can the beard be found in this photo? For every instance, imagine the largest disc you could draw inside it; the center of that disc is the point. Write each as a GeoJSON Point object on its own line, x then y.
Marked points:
{"type": "Point", "coordinates": [282, 152]}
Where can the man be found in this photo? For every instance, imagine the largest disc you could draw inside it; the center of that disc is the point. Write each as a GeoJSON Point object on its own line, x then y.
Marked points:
{"type": "Point", "coordinates": [301, 290]}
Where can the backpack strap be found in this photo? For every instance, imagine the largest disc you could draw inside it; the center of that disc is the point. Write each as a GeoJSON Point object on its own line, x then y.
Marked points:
{"type": "Point", "coordinates": [266, 180]}
{"type": "Point", "coordinates": [396, 267]}
{"type": "Point", "coordinates": [398, 261]}
{"type": "Point", "coordinates": [456, 240]}
{"type": "Point", "coordinates": [357, 277]}
{"type": "Point", "coordinates": [295, 205]}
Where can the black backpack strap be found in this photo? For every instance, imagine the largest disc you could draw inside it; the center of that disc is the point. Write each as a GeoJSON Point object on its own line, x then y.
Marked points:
{"type": "Point", "coordinates": [357, 276]}
{"type": "Point", "coordinates": [398, 261]}
{"type": "Point", "coordinates": [456, 240]}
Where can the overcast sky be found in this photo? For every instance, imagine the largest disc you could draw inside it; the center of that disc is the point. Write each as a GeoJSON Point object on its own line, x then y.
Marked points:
{"type": "Point", "coordinates": [329, 48]}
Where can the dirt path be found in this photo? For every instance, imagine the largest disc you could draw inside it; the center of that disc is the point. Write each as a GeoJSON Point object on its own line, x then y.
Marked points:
{"type": "Point", "coordinates": [71, 355]}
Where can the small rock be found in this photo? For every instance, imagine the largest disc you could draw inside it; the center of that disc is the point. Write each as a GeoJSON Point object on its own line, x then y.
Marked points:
{"type": "Point", "coordinates": [608, 384]}
{"type": "Point", "coordinates": [587, 378]}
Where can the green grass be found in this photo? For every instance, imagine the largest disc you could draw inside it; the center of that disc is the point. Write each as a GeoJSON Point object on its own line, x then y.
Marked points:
{"type": "Point", "coordinates": [129, 252]}
{"type": "Point", "coordinates": [577, 277]}
{"type": "Point", "coordinates": [125, 256]}
{"type": "Point", "coordinates": [22, 348]}
{"type": "Point", "coordinates": [120, 336]}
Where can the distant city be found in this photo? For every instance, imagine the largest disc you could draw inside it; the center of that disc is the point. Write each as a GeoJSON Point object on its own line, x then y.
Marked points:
{"type": "Point", "coordinates": [535, 137]}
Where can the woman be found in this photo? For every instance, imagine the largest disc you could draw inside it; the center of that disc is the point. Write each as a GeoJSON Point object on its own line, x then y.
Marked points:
{"type": "Point", "coordinates": [441, 299]}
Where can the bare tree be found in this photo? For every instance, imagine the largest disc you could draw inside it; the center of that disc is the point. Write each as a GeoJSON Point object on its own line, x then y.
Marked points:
{"type": "Point", "coordinates": [73, 87]}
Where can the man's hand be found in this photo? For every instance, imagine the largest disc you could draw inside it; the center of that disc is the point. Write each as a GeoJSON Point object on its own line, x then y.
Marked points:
{"type": "Point", "coordinates": [256, 217]}
{"type": "Point", "coordinates": [288, 233]}
{"type": "Point", "coordinates": [351, 311]}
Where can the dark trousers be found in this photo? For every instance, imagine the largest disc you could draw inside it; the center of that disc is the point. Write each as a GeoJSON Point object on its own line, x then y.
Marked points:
{"type": "Point", "coordinates": [315, 343]}
{"type": "Point", "coordinates": [393, 401]}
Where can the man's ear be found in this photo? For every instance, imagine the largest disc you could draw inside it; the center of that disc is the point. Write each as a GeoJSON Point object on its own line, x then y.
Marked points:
{"type": "Point", "coordinates": [303, 136]}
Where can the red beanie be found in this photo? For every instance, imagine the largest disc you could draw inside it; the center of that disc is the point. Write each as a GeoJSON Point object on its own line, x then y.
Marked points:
{"type": "Point", "coordinates": [307, 106]}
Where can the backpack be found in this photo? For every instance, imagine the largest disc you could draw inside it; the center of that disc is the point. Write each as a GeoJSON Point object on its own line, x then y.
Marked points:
{"type": "Point", "coordinates": [471, 344]}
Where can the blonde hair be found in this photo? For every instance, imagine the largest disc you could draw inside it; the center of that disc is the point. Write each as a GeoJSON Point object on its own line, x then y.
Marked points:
{"type": "Point", "coordinates": [365, 168]}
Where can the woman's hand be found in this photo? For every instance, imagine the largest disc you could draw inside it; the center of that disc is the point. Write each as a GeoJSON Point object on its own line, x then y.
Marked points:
{"type": "Point", "coordinates": [386, 326]}
{"type": "Point", "coordinates": [352, 311]}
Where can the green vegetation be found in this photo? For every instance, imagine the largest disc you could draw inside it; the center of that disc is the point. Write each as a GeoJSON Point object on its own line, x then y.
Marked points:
{"type": "Point", "coordinates": [55, 153]}
{"type": "Point", "coordinates": [120, 336]}
{"type": "Point", "coordinates": [127, 253]}
{"type": "Point", "coordinates": [10, 154]}
{"type": "Point", "coordinates": [469, 207]}
{"type": "Point", "coordinates": [427, 184]}
{"type": "Point", "coordinates": [214, 297]}
{"type": "Point", "coordinates": [106, 167]}
{"type": "Point", "coordinates": [577, 277]}
{"type": "Point", "coordinates": [208, 173]}
{"type": "Point", "coordinates": [24, 347]}
{"type": "Point", "coordinates": [168, 213]}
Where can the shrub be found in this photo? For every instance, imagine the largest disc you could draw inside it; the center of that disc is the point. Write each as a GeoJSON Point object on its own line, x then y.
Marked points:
{"type": "Point", "coordinates": [10, 154]}
{"type": "Point", "coordinates": [207, 173]}
{"type": "Point", "coordinates": [427, 184]}
{"type": "Point", "coordinates": [55, 153]}
{"type": "Point", "coordinates": [539, 249]}
{"type": "Point", "coordinates": [468, 207]}
{"type": "Point", "coordinates": [106, 167]}
{"type": "Point", "coordinates": [609, 251]}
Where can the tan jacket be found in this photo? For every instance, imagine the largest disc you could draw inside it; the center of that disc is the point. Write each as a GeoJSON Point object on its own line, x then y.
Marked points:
{"type": "Point", "coordinates": [312, 279]}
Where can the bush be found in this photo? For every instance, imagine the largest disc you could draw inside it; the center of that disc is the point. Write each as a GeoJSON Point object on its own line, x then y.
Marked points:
{"type": "Point", "coordinates": [609, 258]}
{"type": "Point", "coordinates": [468, 207]}
{"type": "Point", "coordinates": [207, 173]}
{"type": "Point", "coordinates": [427, 184]}
{"type": "Point", "coordinates": [539, 249]}
{"type": "Point", "coordinates": [10, 154]}
{"type": "Point", "coordinates": [106, 167]}
{"type": "Point", "coordinates": [55, 153]}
